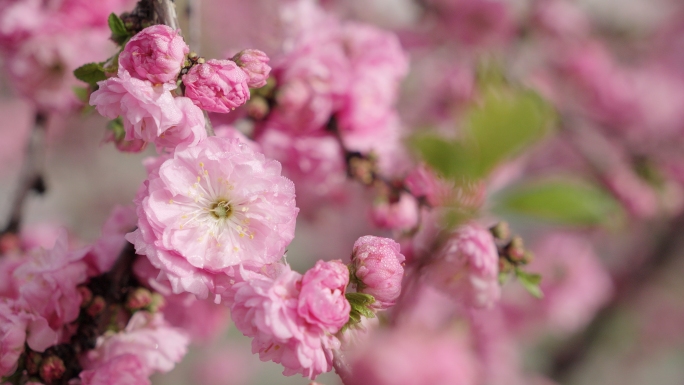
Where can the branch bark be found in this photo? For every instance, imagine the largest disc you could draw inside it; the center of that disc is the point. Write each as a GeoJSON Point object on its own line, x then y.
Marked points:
{"type": "Point", "coordinates": [31, 174]}
{"type": "Point", "coordinates": [341, 367]}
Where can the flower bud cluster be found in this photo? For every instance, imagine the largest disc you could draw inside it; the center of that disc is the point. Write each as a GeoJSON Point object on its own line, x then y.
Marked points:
{"type": "Point", "coordinates": [144, 93]}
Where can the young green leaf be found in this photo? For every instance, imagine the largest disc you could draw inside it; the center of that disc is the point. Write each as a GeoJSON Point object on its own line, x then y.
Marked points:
{"type": "Point", "coordinates": [564, 201]}
{"type": "Point", "coordinates": [119, 32]}
{"type": "Point", "coordinates": [530, 282]}
{"type": "Point", "coordinates": [90, 73]}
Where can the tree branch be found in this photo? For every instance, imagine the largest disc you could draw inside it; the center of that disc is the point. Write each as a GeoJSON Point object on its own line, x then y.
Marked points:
{"type": "Point", "coordinates": [627, 286]}
{"type": "Point", "coordinates": [341, 367]}
{"type": "Point", "coordinates": [31, 174]}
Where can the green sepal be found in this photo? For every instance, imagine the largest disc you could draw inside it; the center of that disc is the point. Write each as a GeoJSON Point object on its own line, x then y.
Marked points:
{"type": "Point", "coordinates": [530, 282]}
{"type": "Point", "coordinates": [90, 73]}
{"type": "Point", "coordinates": [119, 32]}
{"type": "Point", "coordinates": [360, 307]}
{"type": "Point", "coordinates": [116, 125]}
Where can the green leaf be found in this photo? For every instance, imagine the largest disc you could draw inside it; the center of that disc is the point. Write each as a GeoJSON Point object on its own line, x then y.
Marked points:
{"type": "Point", "coordinates": [119, 32]}
{"type": "Point", "coordinates": [504, 123]}
{"type": "Point", "coordinates": [448, 158]}
{"type": "Point", "coordinates": [81, 93]}
{"type": "Point", "coordinates": [560, 200]}
{"type": "Point", "coordinates": [498, 127]}
{"type": "Point", "coordinates": [116, 125]}
{"type": "Point", "coordinates": [360, 298]}
{"type": "Point", "coordinates": [90, 73]}
{"type": "Point", "coordinates": [530, 282]}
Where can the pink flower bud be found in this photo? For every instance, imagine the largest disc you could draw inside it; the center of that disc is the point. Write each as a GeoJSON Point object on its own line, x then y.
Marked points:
{"type": "Point", "coordinates": [156, 54]}
{"type": "Point", "coordinates": [378, 265]}
{"type": "Point", "coordinates": [52, 369]}
{"type": "Point", "coordinates": [322, 301]}
{"type": "Point", "coordinates": [217, 85]}
{"type": "Point", "coordinates": [253, 62]}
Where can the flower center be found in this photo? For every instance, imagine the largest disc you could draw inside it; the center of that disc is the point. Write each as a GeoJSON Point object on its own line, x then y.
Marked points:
{"type": "Point", "coordinates": [221, 209]}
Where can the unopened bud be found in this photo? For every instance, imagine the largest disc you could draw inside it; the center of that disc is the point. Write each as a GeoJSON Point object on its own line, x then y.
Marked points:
{"type": "Point", "coordinates": [33, 360]}
{"type": "Point", "coordinates": [157, 303]}
{"type": "Point", "coordinates": [516, 249]}
{"type": "Point", "coordinates": [97, 306]}
{"type": "Point", "coordinates": [257, 108]}
{"type": "Point", "coordinates": [52, 369]}
{"type": "Point", "coordinates": [528, 257]}
{"type": "Point", "coordinates": [86, 295]}
{"type": "Point", "coordinates": [501, 231]}
{"type": "Point", "coordinates": [201, 60]}
{"type": "Point", "coordinates": [361, 169]}
{"type": "Point", "coordinates": [504, 266]}
{"type": "Point", "coordinates": [138, 299]}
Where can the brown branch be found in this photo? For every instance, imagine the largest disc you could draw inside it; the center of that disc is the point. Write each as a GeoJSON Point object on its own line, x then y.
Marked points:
{"type": "Point", "coordinates": [31, 174]}
{"type": "Point", "coordinates": [627, 286]}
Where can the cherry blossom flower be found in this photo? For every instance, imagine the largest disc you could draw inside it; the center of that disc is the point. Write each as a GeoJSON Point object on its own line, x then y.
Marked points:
{"type": "Point", "coordinates": [217, 85]}
{"type": "Point", "coordinates": [156, 54]}
{"type": "Point", "coordinates": [211, 207]}
{"type": "Point", "coordinates": [126, 369]}
{"type": "Point", "coordinates": [265, 307]}
{"type": "Point", "coordinates": [321, 300]}
{"type": "Point", "coordinates": [147, 110]}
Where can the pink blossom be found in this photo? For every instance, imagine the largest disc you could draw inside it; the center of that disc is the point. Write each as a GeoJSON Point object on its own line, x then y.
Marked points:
{"type": "Point", "coordinates": [378, 64]}
{"type": "Point", "coordinates": [265, 307]}
{"type": "Point", "coordinates": [217, 85]}
{"type": "Point", "coordinates": [230, 132]}
{"type": "Point", "coordinates": [321, 300]}
{"type": "Point", "coordinates": [47, 283]}
{"type": "Point", "coordinates": [467, 267]}
{"type": "Point", "coordinates": [209, 208]}
{"type": "Point", "coordinates": [312, 78]}
{"type": "Point", "coordinates": [126, 369]}
{"type": "Point", "coordinates": [254, 63]}
{"type": "Point", "coordinates": [158, 346]}
{"type": "Point", "coordinates": [190, 130]}
{"type": "Point", "coordinates": [156, 54]}
{"type": "Point", "coordinates": [12, 338]}
{"type": "Point", "coordinates": [147, 111]}
{"type": "Point", "coordinates": [400, 215]}
{"type": "Point", "coordinates": [414, 357]}
{"type": "Point", "coordinates": [40, 69]}
{"type": "Point", "coordinates": [314, 163]}
{"type": "Point", "coordinates": [378, 266]}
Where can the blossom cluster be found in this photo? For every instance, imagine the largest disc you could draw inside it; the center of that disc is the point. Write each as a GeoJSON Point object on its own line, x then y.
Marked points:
{"type": "Point", "coordinates": [149, 68]}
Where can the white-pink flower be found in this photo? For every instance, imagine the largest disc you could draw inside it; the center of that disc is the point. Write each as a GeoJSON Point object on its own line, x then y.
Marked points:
{"type": "Point", "coordinates": [211, 207]}
{"type": "Point", "coordinates": [47, 283]}
{"type": "Point", "coordinates": [156, 54]}
{"type": "Point", "coordinates": [147, 110]}
{"type": "Point", "coordinates": [158, 346]}
{"type": "Point", "coordinates": [264, 306]}
{"type": "Point", "coordinates": [126, 369]}
{"type": "Point", "coordinates": [467, 267]}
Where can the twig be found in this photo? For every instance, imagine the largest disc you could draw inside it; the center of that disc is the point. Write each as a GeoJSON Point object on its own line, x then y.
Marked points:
{"type": "Point", "coordinates": [208, 126]}
{"type": "Point", "coordinates": [341, 367]}
{"type": "Point", "coordinates": [31, 174]}
{"type": "Point", "coordinates": [627, 286]}
{"type": "Point", "coordinates": [193, 13]}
